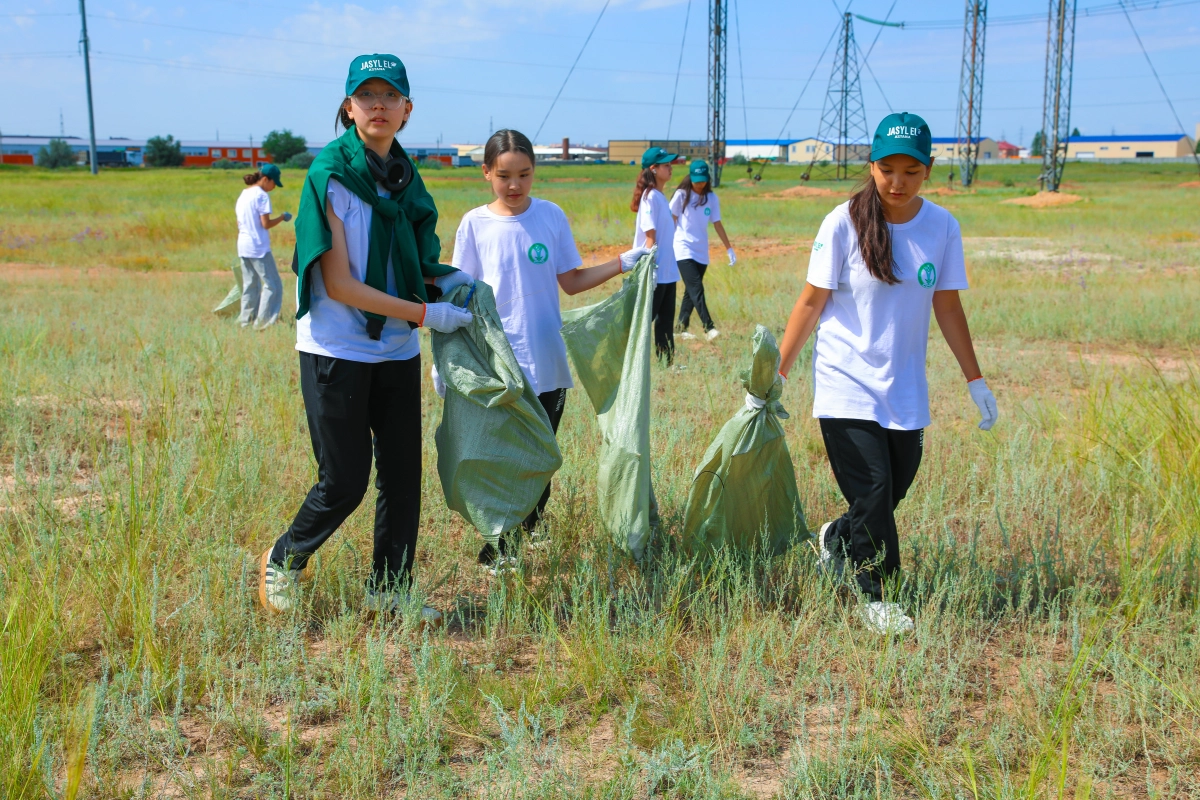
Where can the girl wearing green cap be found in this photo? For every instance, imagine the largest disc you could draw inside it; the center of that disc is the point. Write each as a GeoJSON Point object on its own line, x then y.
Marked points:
{"type": "Point", "coordinates": [366, 249]}
{"type": "Point", "coordinates": [523, 248]}
{"type": "Point", "coordinates": [695, 205]}
{"type": "Point", "coordinates": [262, 291]}
{"type": "Point", "coordinates": [656, 226]}
{"type": "Point", "coordinates": [881, 265]}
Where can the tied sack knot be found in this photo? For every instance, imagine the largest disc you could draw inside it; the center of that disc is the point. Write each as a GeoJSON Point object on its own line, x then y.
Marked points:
{"type": "Point", "coordinates": [755, 403]}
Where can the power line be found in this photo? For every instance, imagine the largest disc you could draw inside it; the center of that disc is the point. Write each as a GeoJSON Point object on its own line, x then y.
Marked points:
{"type": "Point", "coordinates": [599, 17]}
{"type": "Point", "coordinates": [1162, 88]}
{"type": "Point", "coordinates": [687, 13]}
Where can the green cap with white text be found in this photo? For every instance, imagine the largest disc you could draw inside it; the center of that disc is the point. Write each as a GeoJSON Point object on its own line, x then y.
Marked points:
{"type": "Point", "coordinates": [698, 171]}
{"type": "Point", "coordinates": [656, 155]}
{"type": "Point", "coordinates": [271, 171]}
{"type": "Point", "coordinates": [902, 134]}
{"type": "Point", "coordinates": [377, 65]}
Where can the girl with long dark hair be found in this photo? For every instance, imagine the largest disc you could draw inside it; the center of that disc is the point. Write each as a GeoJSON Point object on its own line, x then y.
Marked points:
{"type": "Point", "coordinates": [656, 226]}
{"type": "Point", "coordinates": [695, 206]}
{"type": "Point", "coordinates": [262, 291]}
{"type": "Point", "coordinates": [881, 265]}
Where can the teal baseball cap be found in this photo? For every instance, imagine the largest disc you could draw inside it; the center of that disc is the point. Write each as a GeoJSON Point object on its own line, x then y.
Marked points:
{"type": "Point", "coordinates": [656, 155]}
{"type": "Point", "coordinates": [698, 171]}
{"type": "Point", "coordinates": [271, 171]}
{"type": "Point", "coordinates": [902, 134]}
{"type": "Point", "coordinates": [377, 65]}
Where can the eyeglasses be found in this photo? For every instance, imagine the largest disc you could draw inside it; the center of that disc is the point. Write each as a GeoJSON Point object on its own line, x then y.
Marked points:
{"type": "Point", "coordinates": [390, 99]}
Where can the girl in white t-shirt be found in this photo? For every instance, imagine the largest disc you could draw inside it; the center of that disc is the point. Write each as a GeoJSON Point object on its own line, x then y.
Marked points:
{"type": "Point", "coordinates": [695, 206]}
{"type": "Point", "coordinates": [656, 226]}
{"type": "Point", "coordinates": [262, 291]}
{"type": "Point", "coordinates": [881, 265]}
{"type": "Point", "coordinates": [522, 247]}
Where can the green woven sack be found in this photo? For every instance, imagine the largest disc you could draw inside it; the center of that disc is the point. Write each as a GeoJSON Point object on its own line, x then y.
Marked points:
{"type": "Point", "coordinates": [744, 492]}
{"type": "Point", "coordinates": [609, 345]}
{"type": "Point", "coordinates": [496, 449]}
{"type": "Point", "coordinates": [232, 303]}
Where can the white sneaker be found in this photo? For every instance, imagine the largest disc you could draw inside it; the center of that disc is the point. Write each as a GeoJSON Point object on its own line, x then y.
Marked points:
{"type": "Point", "coordinates": [885, 618]}
{"type": "Point", "coordinates": [537, 539]}
{"type": "Point", "coordinates": [686, 335]}
{"type": "Point", "coordinates": [503, 565]}
{"type": "Point", "coordinates": [712, 334]}
{"type": "Point", "coordinates": [393, 602]}
{"type": "Point", "coordinates": [828, 562]}
{"type": "Point", "coordinates": [277, 587]}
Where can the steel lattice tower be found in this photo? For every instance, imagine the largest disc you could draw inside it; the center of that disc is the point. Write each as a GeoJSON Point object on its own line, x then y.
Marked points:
{"type": "Point", "coordinates": [970, 90]}
{"type": "Point", "coordinates": [843, 118]}
{"type": "Point", "coordinates": [718, 19]}
{"type": "Point", "coordinates": [1056, 107]}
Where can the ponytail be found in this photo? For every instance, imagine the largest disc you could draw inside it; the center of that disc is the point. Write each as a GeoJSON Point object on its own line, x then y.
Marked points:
{"type": "Point", "coordinates": [252, 178]}
{"type": "Point", "coordinates": [646, 180]}
{"type": "Point", "coordinates": [874, 236]}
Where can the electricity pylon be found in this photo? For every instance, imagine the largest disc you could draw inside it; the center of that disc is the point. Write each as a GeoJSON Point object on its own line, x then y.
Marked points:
{"type": "Point", "coordinates": [1056, 107]}
{"type": "Point", "coordinates": [843, 118]}
{"type": "Point", "coordinates": [970, 90]}
{"type": "Point", "coordinates": [718, 18]}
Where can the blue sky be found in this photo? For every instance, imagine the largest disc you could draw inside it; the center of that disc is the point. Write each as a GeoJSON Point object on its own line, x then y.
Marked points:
{"type": "Point", "coordinates": [243, 68]}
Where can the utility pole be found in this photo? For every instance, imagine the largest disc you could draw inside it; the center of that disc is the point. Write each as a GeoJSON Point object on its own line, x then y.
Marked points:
{"type": "Point", "coordinates": [970, 91]}
{"type": "Point", "coordinates": [1056, 106]}
{"type": "Point", "coordinates": [843, 118]}
{"type": "Point", "coordinates": [87, 74]}
{"type": "Point", "coordinates": [718, 18]}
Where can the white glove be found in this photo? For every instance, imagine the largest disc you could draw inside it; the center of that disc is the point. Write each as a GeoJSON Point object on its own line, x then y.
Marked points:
{"type": "Point", "coordinates": [630, 258]}
{"type": "Point", "coordinates": [452, 281]}
{"type": "Point", "coordinates": [445, 317]}
{"type": "Point", "coordinates": [986, 401]}
{"type": "Point", "coordinates": [732, 256]}
{"type": "Point", "coordinates": [439, 385]}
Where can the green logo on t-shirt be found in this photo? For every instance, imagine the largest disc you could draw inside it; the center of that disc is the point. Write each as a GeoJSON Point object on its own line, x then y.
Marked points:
{"type": "Point", "coordinates": [538, 253]}
{"type": "Point", "coordinates": [708, 212]}
{"type": "Point", "coordinates": [817, 246]}
{"type": "Point", "coordinates": [927, 275]}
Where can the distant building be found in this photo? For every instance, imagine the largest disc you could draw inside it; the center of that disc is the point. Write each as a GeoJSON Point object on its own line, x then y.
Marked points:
{"type": "Point", "coordinates": [947, 148]}
{"type": "Point", "coordinates": [1167, 145]}
{"type": "Point", "coordinates": [205, 153]}
{"type": "Point", "coordinates": [758, 149]}
{"type": "Point", "coordinates": [805, 151]}
{"type": "Point", "coordinates": [130, 152]}
{"type": "Point", "coordinates": [1008, 149]}
{"type": "Point", "coordinates": [629, 151]}
{"type": "Point", "coordinates": [443, 153]}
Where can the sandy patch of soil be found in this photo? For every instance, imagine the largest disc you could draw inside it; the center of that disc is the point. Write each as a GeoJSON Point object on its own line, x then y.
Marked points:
{"type": "Point", "coordinates": [1190, 185]}
{"type": "Point", "coordinates": [803, 191]}
{"type": "Point", "coordinates": [1044, 200]}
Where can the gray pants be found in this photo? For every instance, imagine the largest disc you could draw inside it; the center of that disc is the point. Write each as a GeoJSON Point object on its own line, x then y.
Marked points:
{"type": "Point", "coordinates": [262, 292]}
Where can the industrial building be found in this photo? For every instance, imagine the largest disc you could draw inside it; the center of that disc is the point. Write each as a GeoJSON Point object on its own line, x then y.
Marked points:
{"type": "Point", "coordinates": [947, 148]}
{"type": "Point", "coordinates": [120, 152]}
{"type": "Point", "coordinates": [758, 149]}
{"type": "Point", "coordinates": [629, 151]}
{"type": "Point", "coordinates": [1166, 145]}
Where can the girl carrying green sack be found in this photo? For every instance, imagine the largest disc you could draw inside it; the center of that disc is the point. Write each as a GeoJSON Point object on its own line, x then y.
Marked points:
{"type": "Point", "coordinates": [366, 250]}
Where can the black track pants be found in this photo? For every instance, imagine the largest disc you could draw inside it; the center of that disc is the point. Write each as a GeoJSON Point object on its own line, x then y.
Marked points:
{"type": "Point", "coordinates": [554, 401]}
{"type": "Point", "coordinates": [874, 467]}
{"type": "Point", "coordinates": [692, 273]}
{"type": "Point", "coordinates": [664, 320]}
{"type": "Point", "coordinates": [356, 410]}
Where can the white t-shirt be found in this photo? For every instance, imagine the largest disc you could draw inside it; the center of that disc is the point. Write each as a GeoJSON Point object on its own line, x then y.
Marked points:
{"type": "Point", "coordinates": [254, 241]}
{"type": "Point", "coordinates": [869, 357]}
{"type": "Point", "coordinates": [335, 329]}
{"type": "Point", "coordinates": [655, 215]}
{"type": "Point", "coordinates": [691, 232]}
{"type": "Point", "coordinates": [521, 258]}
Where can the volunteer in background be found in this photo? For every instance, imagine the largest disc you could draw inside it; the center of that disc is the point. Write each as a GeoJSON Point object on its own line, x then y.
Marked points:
{"type": "Point", "coordinates": [880, 264]}
{"type": "Point", "coordinates": [656, 226]}
{"type": "Point", "coordinates": [365, 249]}
{"type": "Point", "coordinates": [694, 205]}
{"type": "Point", "coordinates": [522, 247]}
{"type": "Point", "coordinates": [262, 291]}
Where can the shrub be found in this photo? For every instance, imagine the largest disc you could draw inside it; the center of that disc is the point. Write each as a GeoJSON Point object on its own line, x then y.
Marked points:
{"type": "Point", "coordinates": [282, 145]}
{"type": "Point", "coordinates": [300, 160]}
{"type": "Point", "coordinates": [739, 159]}
{"type": "Point", "coordinates": [56, 154]}
{"type": "Point", "coordinates": [430, 162]}
{"type": "Point", "coordinates": [162, 152]}
{"type": "Point", "coordinates": [225, 163]}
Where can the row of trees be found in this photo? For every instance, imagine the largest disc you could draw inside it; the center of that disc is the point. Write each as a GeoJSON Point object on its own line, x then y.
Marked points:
{"type": "Point", "coordinates": [284, 147]}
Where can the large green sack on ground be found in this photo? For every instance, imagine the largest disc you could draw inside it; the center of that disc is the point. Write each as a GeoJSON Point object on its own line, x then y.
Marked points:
{"type": "Point", "coordinates": [609, 344]}
{"type": "Point", "coordinates": [496, 449]}
{"type": "Point", "coordinates": [232, 303]}
{"type": "Point", "coordinates": [744, 492]}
